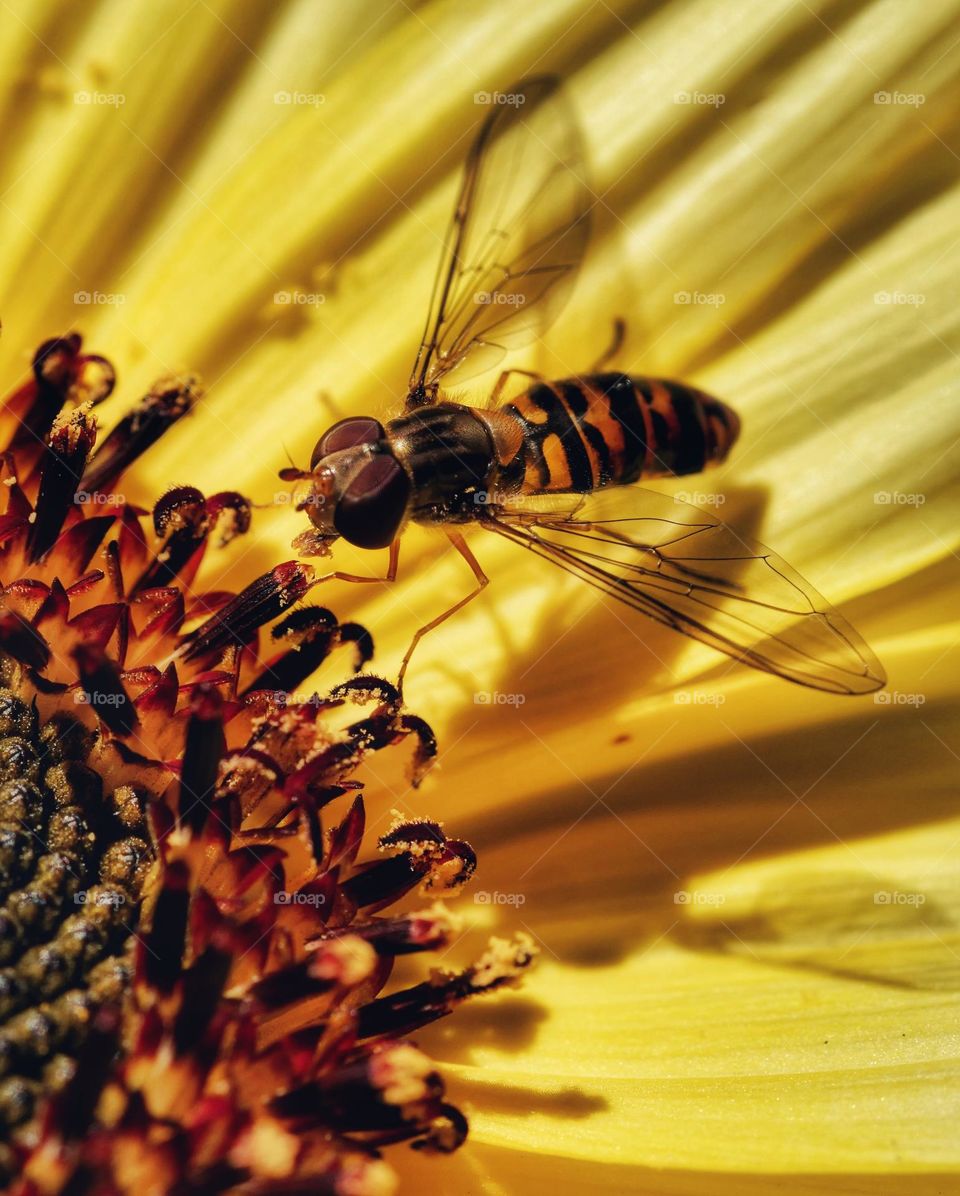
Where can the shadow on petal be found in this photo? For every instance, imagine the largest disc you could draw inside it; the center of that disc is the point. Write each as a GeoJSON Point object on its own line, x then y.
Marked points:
{"type": "Point", "coordinates": [509, 1023]}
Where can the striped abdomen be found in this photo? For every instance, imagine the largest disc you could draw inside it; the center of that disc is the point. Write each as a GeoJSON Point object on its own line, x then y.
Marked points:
{"type": "Point", "coordinates": [606, 429]}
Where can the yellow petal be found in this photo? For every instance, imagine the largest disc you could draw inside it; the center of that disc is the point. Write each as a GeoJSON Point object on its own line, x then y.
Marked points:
{"type": "Point", "coordinates": [791, 1010]}
{"type": "Point", "coordinates": [773, 231]}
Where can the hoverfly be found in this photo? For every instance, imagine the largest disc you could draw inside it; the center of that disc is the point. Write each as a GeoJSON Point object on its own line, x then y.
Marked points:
{"type": "Point", "coordinates": [553, 468]}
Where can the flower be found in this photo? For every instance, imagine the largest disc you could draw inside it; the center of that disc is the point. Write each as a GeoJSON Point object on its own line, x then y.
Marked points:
{"type": "Point", "coordinates": [192, 984]}
{"type": "Point", "coordinates": [741, 989]}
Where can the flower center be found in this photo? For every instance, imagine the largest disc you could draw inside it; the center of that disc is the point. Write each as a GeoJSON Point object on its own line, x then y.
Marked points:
{"type": "Point", "coordinates": [73, 861]}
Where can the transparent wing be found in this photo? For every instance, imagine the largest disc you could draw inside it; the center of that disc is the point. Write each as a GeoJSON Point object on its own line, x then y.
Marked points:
{"type": "Point", "coordinates": [517, 236]}
{"type": "Point", "coordinates": [680, 566]}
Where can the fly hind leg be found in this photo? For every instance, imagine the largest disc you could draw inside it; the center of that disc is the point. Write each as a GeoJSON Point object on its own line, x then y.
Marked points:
{"type": "Point", "coordinates": [497, 393]}
{"type": "Point", "coordinates": [611, 351]}
{"type": "Point", "coordinates": [461, 546]}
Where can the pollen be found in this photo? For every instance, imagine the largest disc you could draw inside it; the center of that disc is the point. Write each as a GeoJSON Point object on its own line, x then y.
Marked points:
{"type": "Point", "coordinates": [346, 961]}
{"type": "Point", "coordinates": [401, 1072]}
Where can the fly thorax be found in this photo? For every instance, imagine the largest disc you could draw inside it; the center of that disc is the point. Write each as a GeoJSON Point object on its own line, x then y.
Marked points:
{"type": "Point", "coordinates": [447, 451]}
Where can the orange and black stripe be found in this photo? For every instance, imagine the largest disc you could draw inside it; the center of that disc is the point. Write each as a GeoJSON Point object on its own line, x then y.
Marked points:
{"type": "Point", "coordinates": [580, 434]}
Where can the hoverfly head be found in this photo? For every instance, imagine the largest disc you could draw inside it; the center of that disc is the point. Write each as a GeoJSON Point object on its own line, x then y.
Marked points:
{"type": "Point", "coordinates": [357, 488]}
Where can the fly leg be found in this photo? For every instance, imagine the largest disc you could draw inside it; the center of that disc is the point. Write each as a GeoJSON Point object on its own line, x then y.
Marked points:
{"type": "Point", "coordinates": [611, 351]}
{"type": "Point", "coordinates": [502, 382]}
{"type": "Point", "coordinates": [390, 576]}
{"type": "Point", "coordinates": [461, 546]}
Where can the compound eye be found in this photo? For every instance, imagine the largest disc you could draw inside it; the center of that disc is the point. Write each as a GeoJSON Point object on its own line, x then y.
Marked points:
{"type": "Point", "coordinates": [348, 433]}
{"type": "Point", "coordinates": [371, 509]}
